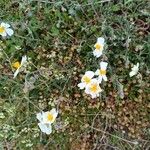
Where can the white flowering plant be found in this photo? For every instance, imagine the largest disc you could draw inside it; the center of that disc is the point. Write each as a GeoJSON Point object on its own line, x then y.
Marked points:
{"type": "Point", "coordinates": [44, 48]}
{"type": "Point", "coordinates": [88, 81]}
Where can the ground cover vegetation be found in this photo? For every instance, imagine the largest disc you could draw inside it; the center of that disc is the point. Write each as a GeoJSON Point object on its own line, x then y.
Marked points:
{"type": "Point", "coordinates": [74, 75]}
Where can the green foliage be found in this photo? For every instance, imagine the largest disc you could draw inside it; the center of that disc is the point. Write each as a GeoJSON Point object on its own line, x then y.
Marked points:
{"type": "Point", "coordinates": [59, 37]}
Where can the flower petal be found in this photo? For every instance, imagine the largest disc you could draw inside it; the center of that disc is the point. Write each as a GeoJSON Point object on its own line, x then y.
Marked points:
{"type": "Point", "coordinates": [104, 77]}
{"type": "Point", "coordinates": [10, 32]}
{"type": "Point", "coordinates": [100, 79]}
{"type": "Point", "coordinates": [94, 81]}
{"type": "Point", "coordinates": [24, 60]}
{"type": "Point", "coordinates": [48, 129]}
{"type": "Point", "coordinates": [94, 95]}
{"type": "Point", "coordinates": [45, 128]}
{"type": "Point", "coordinates": [87, 90]}
{"type": "Point", "coordinates": [16, 73]}
{"type": "Point", "coordinates": [42, 127]}
{"type": "Point", "coordinates": [89, 74]}
{"type": "Point", "coordinates": [6, 25]}
{"type": "Point", "coordinates": [81, 85]}
{"type": "Point", "coordinates": [103, 65]}
{"type": "Point", "coordinates": [101, 40]}
{"type": "Point", "coordinates": [97, 72]}
{"type": "Point", "coordinates": [137, 65]}
{"type": "Point", "coordinates": [97, 53]}
{"type": "Point", "coordinates": [135, 70]}
{"type": "Point", "coordinates": [54, 112]}
{"type": "Point", "coordinates": [39, 116]}
{"type": "Point", "coordinates": [4, 34]}
{"type": "Point", "coordinates": [132, 73]}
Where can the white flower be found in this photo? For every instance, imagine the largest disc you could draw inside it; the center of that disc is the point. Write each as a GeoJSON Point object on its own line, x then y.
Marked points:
{"type": "Point", "coordinates": [135, 70]}
{"type": "Point", "coordinates": [99, 46]}
{"type": "Point", "coordinates": [5, 30]}
{"type": "Point", "coordinates": [50, 116]}
{"type": "Point", "coordinates": [46, 119]}
{"type": "Point", "coordinates": [86, 79]}
{"type": "Point", "coordinates": [45, 128]}
{"type": "Point", "coordinates": [102, 72]}
{"type": "Point", "coordinates": [93, 88]}
{"type": "Point", "coordinates": [19, 66]}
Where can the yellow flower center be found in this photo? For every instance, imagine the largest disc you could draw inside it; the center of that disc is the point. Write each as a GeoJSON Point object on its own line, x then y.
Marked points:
{"type": "Point", "coordinates": [86, 79]}
{"type": "Point", "coordinates": [16, 65]}
{"type": "Point", "coordinates": [2, 29]}
{"type": "Point", "coordinates": [102, 72]}
{"type": "Point", "coordinates": [98, 46]}
{"type": "Point", "coordinates": [94, 88]}
{"type": "Point", "coordinates": [50, 117]}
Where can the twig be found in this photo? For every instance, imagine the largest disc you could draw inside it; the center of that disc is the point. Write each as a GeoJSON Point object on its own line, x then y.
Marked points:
{"type": "Point", "coordinates": [115, 136]}
{"type": "Point", "coordinates": [112, 135]}
{"type": "Point", "coordinates": [102, 1]}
